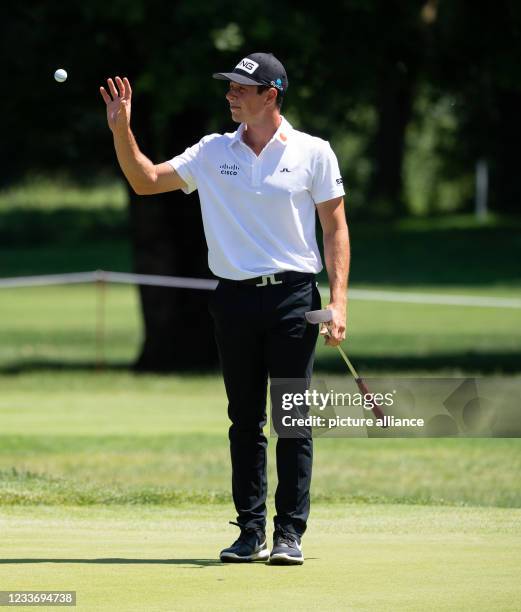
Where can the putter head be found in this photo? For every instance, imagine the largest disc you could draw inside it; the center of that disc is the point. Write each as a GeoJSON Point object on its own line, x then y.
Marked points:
{"type": "Point", "coordinates": [319, 316]}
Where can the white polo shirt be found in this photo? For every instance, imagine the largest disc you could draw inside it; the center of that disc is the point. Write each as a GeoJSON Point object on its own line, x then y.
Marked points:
{"type": "Point", "coordinates": [259, 212]}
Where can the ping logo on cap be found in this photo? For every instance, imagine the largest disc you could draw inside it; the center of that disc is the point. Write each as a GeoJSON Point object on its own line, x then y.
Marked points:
{"type": "Point", "coordinates": [248, 65]}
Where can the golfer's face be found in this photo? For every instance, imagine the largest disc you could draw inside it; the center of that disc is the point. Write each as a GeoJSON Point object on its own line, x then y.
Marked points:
{"type": "Point", "coordinates": [245, 102]}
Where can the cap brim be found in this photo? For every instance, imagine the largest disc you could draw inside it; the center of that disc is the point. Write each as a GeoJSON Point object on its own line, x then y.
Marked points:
{"type": "Point", "coordinates": [235, 77]}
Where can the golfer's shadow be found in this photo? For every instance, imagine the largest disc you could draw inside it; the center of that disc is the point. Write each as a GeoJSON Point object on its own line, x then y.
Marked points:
{"type": "Point", "coordinates": [121, 561]}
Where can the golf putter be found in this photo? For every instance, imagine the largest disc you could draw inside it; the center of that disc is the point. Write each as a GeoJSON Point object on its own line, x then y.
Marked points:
{"type": "Point", "coordinates": [316, 317]}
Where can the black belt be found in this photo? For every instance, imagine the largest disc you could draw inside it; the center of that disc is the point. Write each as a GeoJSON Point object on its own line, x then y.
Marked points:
{"type": "Point", "coordinates": [278, 278]}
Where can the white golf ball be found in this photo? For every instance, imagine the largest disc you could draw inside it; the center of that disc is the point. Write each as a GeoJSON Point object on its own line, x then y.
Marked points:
{"type": "Point", "coordinates": [60, 75]}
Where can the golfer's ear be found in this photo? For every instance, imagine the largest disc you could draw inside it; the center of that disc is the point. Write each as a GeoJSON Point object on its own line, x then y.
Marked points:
{"type": "Point", "coordinates": [272, 95]}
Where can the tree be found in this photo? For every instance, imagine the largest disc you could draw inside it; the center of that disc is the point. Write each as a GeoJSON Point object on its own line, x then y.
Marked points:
{"type": "Point", "coordinates": [478, 55]}
{"type": "Point", "coordinates": [366, 54]}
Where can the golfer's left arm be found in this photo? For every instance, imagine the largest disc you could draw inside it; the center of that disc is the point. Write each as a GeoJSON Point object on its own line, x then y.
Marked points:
{"type": "Point", "coordinates": [337, 257]}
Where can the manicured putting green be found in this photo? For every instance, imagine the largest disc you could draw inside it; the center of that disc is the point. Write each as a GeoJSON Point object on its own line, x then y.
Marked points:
{"type": "Point", "coordinates": [370, 557]}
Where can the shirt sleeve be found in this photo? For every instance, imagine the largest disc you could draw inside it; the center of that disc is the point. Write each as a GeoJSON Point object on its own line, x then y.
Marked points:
{"type": "Point", "coordinates": [327, 182]}
{"type": "Point", "coordinates": [187, 164]}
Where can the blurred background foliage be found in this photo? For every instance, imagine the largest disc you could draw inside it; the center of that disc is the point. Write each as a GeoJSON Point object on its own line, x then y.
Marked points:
{"type": "Point", "coordinates": [410, 93]}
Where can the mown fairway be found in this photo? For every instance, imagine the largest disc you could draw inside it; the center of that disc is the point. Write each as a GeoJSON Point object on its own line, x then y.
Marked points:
{"type": "Point", "coordinates": [44, 327]}
{"type": "Point", "coordinates": [85, 438]}
{"type": "Point", "coordinates": [362, 557]}
{"type": "Point", "coordinates": [118, 486]}
{"type": "Point", "coordinates": [56, 326]}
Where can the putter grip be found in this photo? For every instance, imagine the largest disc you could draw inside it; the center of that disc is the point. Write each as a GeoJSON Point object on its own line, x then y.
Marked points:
{"type": "Point", "coordinates": [376, 409]}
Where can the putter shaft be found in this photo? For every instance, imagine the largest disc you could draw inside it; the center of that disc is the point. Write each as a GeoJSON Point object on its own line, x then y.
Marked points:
{"type": "Point", "coordinates": [349, 364]}
{"type": "Point", "coordinates": [361, 385]}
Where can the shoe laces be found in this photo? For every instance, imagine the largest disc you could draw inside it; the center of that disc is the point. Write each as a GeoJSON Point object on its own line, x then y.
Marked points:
{"type": "Point", "coordinates": [283, 537]}
{"type": "Point", "coordinates": [247, 532]}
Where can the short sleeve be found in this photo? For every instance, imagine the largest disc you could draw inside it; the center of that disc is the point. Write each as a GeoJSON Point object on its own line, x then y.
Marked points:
{"type": "Point", "coordinates": [327, 182]}
{"type": "Point", "coordinates": [187, 164]}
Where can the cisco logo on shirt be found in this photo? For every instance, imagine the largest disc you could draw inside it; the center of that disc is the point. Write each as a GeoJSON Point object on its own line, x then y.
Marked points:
{"type": "Point", "coordinates": [229, 169]}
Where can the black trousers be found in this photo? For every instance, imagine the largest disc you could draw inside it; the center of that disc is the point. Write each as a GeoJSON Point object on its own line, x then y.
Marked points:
{"type": "Point", "coordinates": [261, 332]}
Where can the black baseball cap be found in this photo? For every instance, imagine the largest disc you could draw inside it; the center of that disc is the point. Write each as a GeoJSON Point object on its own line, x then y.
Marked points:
{"type": "Point", "coordinates": [257, 69]}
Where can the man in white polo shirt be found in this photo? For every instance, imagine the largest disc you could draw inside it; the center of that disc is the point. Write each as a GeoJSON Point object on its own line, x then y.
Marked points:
{"type": "Point", "coordinates": [259, 188]}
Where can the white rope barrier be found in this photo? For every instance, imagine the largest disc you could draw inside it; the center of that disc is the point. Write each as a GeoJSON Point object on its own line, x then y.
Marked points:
{"type": "Point", "coordinates": [108, 277]}
{"type": "Point", "coordinates": [208, 284]}
{"type": "Point", "coordinates": [434, 298]}
{"type": "Point", "coordinates": [160, 281]}
{"type": "Point", "coordinates": [48, 279]}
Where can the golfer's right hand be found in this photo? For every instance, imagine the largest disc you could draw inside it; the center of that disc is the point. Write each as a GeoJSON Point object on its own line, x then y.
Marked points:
{"type": "Point", "coordinates": [118, 103]}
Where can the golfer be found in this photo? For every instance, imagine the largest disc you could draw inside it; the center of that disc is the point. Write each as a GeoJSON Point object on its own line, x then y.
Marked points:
{"type": "Point", "coordinates": [259, 188]}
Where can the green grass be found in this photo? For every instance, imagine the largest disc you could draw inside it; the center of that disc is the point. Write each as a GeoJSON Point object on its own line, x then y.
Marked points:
{"type": "Point", "coordinates": [449, 251]}
{"type": "Point", "coordinates": [114, 438]}
{"type": "Point", "coordinates": [66, 227]}
{"type": "Point", "coordinates": [118, 486]}
{"type": "Point", "coordinates": [45, 212]}
{"type": "Point", "coordinates": [62, 258]}
{"type": "Point", "coordinates": [357, 558]}
{"type": "Point", "coordinates": [453, 254]}
{"type": "Point", "coordinates": [60, 325]}
{"type": "Point", "coordinates": [456, 251]}
{"type": "Point", "coordinates": [57, 327]}
{"type": "Point", "coordinates": [49, 194]}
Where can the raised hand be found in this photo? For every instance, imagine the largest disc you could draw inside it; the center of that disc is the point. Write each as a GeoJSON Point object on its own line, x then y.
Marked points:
{"type": "Point", "coordinates": [118, 103]}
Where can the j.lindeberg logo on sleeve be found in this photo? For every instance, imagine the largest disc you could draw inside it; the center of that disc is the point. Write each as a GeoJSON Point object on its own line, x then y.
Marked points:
{"type": "Point", "coordinates": [229, 169]}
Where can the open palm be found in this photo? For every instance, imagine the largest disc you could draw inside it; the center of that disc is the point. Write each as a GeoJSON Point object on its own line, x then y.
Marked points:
{"type": "Point", "coordinates": [118, 102]}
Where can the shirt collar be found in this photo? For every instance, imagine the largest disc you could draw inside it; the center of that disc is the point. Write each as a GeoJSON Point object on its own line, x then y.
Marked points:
{"type": "Point", "coordinates": [281, 135]}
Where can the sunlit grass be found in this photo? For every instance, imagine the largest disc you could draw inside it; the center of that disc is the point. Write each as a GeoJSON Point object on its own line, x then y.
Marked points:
{"type": "Point", "coordinates": [87, 438]}
{"type": "Point", "coordinates": [47, 193]}
{"type": "Point", "coordinates": [83, 324]}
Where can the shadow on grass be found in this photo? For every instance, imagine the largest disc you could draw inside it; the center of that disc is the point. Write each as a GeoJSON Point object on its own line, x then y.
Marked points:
{"type": "Point", "coordinates": [467, 252]}
{"type": "Point", "coordinates": [44, 365]}
{"type": "Point", "coordinates": [23, 367]}
{"type": "Point", "coordinates": [193, 562]}
{"type": "Point", "coordinates": [477, 363]}
{"type": "Point", "coordinates": [196, 562]}
{"type": "Point", "coordinates": [39, 227]}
